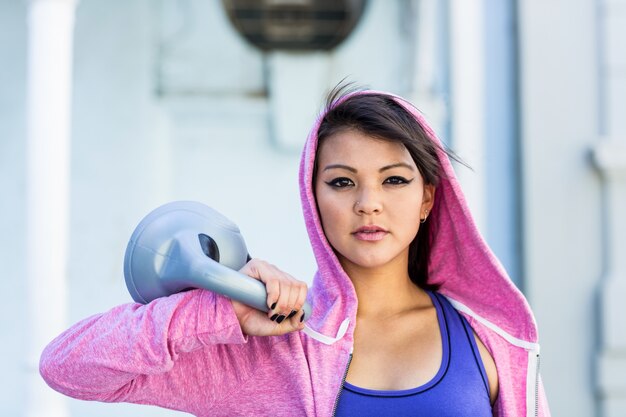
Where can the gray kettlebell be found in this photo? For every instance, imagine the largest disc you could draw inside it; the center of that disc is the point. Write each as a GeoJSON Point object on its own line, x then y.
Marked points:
{"type": "Point", "coordinates": [186, 244]}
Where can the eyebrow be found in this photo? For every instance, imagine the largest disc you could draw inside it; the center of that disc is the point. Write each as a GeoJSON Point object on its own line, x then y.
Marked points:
{"type": "Point", "coordinates": [385, 168]}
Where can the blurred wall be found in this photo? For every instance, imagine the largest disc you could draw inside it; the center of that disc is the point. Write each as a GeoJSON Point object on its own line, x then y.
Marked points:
{"type": "Point", "coordinates": [170, 103]}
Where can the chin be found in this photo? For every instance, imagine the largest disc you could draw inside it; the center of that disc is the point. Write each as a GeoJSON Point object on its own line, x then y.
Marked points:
{"type": "Point", "coordinates": [369, 262]}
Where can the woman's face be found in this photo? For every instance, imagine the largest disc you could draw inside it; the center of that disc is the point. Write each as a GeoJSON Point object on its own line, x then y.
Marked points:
{"type": "Point", "coordinates": [371, 198]}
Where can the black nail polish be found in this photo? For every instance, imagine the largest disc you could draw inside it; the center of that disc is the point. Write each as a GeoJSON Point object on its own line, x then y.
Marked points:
{"type": "Point", "coordinates": [302, 318]}
{"type": "Point", "coordinates": [280, 319]}
{"type": "Point", "coordinates": [274, 317]}
{"type": "Point", "coordinates": [293, 313]}
{"type": "Point", "coordinates": [273, 306]}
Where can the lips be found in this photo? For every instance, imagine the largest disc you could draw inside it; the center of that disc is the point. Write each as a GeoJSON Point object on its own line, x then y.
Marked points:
{"type": "Point", "coordinates": [371, 233]}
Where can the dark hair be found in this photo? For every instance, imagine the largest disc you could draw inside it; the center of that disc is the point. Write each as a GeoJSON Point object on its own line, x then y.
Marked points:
{"type": "Point", "coordinates": [380, 116]}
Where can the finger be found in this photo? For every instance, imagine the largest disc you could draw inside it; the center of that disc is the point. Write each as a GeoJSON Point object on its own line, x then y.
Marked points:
{"type": "Point", "coordinates": [282, 302]}
{"type": "Point", "coordinates": [294, 294]}
{"type": "Point", "coordinates": [297, 297]}
{"type": "Point", "coordinates": [290, 324]}
{"type": "Point", "coordinates": [297, 321]}
{"type": "Point", "coordinates": [262, 271]}
{"type": "Point", "coordinates": [281, 305]}
{"type": "Point", "coordinates": [303, 289]}
{"type": "Point", "coordinates": [249, 270]}
{"type": "Point", "coordinates": [273, 296]}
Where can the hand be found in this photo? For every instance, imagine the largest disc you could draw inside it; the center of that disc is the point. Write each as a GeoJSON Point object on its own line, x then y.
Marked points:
{"type": "Point", "coordinates": [285, 298]}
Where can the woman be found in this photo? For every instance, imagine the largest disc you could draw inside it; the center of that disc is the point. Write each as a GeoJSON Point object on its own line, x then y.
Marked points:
{"type": "Point", "coordinates": [399, 257]}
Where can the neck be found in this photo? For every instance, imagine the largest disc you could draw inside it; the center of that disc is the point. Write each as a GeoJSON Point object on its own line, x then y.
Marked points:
{"type": "Point", "coordinates": [385, 291]}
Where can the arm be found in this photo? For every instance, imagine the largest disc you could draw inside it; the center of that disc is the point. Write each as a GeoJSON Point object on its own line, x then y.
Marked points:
{"type": "Point", "coordinates": [178, 352]}
{"type": "Point", "coordinates": [115, 355]}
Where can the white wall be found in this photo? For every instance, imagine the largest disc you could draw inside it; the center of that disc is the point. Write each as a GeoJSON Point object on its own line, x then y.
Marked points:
{"type": "Point", "coordinates": [562, 196]}
{"type": "Point", "coordinates": [12, 205]}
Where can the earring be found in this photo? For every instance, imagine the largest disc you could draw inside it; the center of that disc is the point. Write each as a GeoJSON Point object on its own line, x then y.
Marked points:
{"type": "Point", "coordinates": [425, 216]}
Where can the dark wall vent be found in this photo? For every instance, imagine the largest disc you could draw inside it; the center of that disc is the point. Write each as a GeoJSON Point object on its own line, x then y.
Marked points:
{"type": "Point", "coordinates": [294, 24]}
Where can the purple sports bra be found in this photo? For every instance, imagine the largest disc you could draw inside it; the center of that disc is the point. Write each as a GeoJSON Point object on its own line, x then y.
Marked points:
{"type": "Point", "coordinates": [459, 388]}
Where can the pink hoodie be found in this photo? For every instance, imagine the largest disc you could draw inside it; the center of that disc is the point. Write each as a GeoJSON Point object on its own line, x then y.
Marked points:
{"type": "Point", "coordinates": [187, 352]}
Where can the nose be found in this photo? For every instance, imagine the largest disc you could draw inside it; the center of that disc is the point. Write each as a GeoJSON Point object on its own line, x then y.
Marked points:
{"type": "Point", "coordinates": [368, 202]}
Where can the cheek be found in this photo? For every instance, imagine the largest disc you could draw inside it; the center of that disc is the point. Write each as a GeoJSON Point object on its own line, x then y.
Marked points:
{"type": "Point", "coordinates": [323, 205]}
{"type": "Point", "coordinates": [410, 214]}
{"type": "Point", "coordinates": [330, 213]}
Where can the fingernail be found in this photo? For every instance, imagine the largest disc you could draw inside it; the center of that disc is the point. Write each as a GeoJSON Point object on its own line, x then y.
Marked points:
{"type": "Point", "coordinates": [293, 313]}
{"type": "Point", "coordinates": [302, 318]}
{"type": "Point", "coordinates": [274, 317]}
{"type": "Point", "coordinates": [273, 306]}
{"type": "Point", "coordinates": [280, 319]}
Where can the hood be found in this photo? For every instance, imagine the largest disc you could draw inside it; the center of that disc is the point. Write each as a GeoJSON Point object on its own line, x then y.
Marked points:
{"type": "Point", "coordinates": [461, 263]}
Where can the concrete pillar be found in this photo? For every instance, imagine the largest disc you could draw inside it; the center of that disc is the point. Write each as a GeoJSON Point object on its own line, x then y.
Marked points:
{"type": "Point", "coordinates": [610, 158]}
{"type": "Point", "coordinates": [468, 99]}
{"type": "Point", "coordinates": [428, 46]}
{"type": "Point", "coordinates": [50, 30]}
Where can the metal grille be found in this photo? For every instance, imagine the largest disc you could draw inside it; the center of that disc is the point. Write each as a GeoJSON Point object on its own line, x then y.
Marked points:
{"type": "Point", "coordinates": [294, 24]}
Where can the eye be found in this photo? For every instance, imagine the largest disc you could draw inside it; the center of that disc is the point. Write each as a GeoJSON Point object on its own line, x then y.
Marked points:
{"type": "Point", "coordinates": [341, 182]}
{"type": "Point", "coordinates": [397, 180]}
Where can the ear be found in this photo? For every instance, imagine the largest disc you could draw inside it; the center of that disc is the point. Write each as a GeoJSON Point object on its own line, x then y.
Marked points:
{"type": "Point", "coordinates": [428, 198]}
